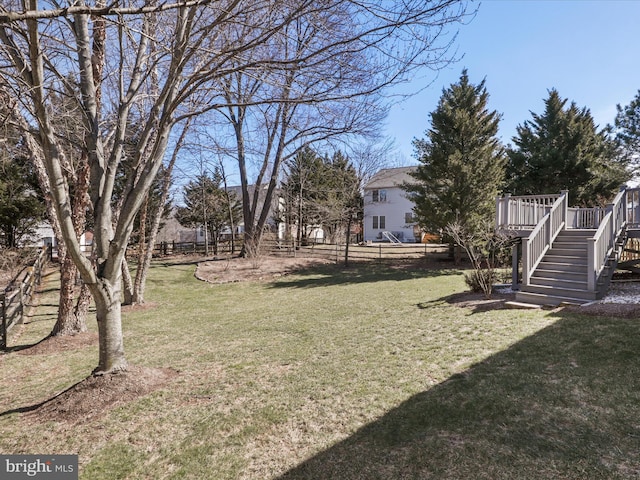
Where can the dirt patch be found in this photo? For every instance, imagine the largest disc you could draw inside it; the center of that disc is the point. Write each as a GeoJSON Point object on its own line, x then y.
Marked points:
{"type": "Point", "coordinates": [94, 396]}
{"type": "Point", "coordinates": [244, 269]}
{"type": "Point", "coordinates": [61, 343]}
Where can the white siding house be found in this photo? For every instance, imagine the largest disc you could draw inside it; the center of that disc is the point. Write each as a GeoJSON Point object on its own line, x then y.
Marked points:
{"type": "Point", "coordinates": [387, 208]}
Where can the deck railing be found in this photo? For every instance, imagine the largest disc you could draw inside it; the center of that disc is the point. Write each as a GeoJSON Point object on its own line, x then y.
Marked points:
{"type": "Point", "coordinates": [633, 207]}
{"type": "Point", "coordinates": [522, 212]}
{"type": "Point", "coordinates": [601, 245]}
{"type": "Point", "coordinates": [540, 239]}
{"type": "Point", "coordinates": [585, 217]}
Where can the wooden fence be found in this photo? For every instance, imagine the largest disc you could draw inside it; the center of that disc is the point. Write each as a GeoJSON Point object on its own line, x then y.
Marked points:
{"type": "Point", "coordinates": [359, 253]}
{"type": "Point", "coordinates": [18, 295]}
{"type": "Point", "coordinates": [328, 251]}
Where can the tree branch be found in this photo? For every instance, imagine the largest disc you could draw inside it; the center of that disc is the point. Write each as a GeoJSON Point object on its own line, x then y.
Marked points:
{"type": "Point", "coordinates": [109, 10]}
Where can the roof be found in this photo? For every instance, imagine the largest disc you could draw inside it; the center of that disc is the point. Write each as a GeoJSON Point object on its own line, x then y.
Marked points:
{"type": "Point", "coordinates": [391, 177]}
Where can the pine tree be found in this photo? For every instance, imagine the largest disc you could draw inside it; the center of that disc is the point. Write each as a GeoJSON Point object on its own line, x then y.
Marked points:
{"type": "Point", "coordinates": [461, 161]}
{"type": "Point", "coordinates": [21, 203]}
{"type": "Point", "coordinates": [563, 150]}
{"type": "Point", "coordinates": [321, 191]}
{"type": "Point", "coordinates": [627, 127]}
{"type": "Point", "coordinates": [207, 203]}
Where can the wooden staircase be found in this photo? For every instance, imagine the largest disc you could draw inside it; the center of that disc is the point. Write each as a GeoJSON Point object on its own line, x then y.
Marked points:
{"type": "Point", "coordinates": [568, 254]}
{"type": "Point", "coordinates": [561, 275]}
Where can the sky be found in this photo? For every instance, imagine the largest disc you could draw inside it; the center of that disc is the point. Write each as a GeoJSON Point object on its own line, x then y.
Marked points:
{"type": "Point", "coordinates": [587, 50]}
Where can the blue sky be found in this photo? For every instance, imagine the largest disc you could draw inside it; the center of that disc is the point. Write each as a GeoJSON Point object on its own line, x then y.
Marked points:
{"type": "Point", "coordinates": [588, 50]}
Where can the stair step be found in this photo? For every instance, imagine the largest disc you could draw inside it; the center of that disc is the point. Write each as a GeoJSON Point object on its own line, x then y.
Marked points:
{"type": "Point", "coordinates": [563, 266]}
{"type": "Point", "coordinates": [567, 252]}
{"type": "Point", "coordinates": [578, 232]}
{"type": "Point", "coordinates": [548, 272]}
{"type": "Point", "coordinates": [551, 300]}
{"type": "Point", "coordinates": [559, 282]}
{"type": "Point", "coordinates": [570, 245]}
{"type": "Point", "coordinates": [583, 294]}
{"type": "Point", "coordinates": [565, 259]}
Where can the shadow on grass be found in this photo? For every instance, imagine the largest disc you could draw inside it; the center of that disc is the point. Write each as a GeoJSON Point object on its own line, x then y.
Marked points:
{"type": "Point", "coordinates": [563, 403]}
{"type": "Point", "coordinates": [476, 302]}
{"type": "Point", "coordinates": [363, 272]}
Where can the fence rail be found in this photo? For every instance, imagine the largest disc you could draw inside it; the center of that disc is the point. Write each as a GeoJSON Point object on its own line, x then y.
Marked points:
{"type": "Point", "coordinates": [377, 251]}
{"type": "Point", "coordinates": [18, 295]}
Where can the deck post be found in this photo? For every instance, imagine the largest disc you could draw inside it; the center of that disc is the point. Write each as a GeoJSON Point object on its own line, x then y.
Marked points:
{"type": "Point", "coordinates": [591, 264]}
{"type": "Point", "coordinates": [565, 208]}
{"type": "Point", "coordinates": [525, 262]}
{"type": "Point", "coordinates": [515, 250]}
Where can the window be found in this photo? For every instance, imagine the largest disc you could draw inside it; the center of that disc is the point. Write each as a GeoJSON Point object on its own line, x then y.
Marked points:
{"type": "Point", "coordinates": [379, 196]}
{"type": "Point", "coordinates": [379, 222]}
{"type": "Point", "coordinates": [408, 217]}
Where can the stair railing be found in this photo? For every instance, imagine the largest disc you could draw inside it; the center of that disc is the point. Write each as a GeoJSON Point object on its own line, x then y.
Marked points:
{"type": "Point", "coordinates": [540, 239]}
{"type": "Point", "coordinates": [601, 245]}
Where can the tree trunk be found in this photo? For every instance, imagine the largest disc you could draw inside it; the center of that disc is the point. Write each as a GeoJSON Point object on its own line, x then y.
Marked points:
{"type": "Point", "coordinates": [142, 253]}
{"type": "Point", "coordinates": [127, 283]}
{"type": "Point", "coordinates": [108, 314]}
{"type": "Point", "coordinates": [82, 305]}
{"type": "Point", "coordinates": [70, 321]}
{"type": "Point", "coordinates": [346, 246]}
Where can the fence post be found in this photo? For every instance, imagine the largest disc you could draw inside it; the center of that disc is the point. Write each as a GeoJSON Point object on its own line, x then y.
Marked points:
{"type": "Point", "coordinates": [3, 333]}
{"type": "Point", "coordinates": [21, 302]}
{"type": "Point", "coordinates": [380, 252]}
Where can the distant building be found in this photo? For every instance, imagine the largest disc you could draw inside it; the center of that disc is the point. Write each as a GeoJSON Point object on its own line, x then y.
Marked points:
{"type": "Point", "coordinates": [387, 207]}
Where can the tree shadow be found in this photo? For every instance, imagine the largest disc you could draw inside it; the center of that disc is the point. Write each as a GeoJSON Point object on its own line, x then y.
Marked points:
{"type": "Point", "coordinates": [563, 403]}
{"type": "Point", "coordinates": [363, 272]}
{"type": "Point", "coordinates": [476, 302]}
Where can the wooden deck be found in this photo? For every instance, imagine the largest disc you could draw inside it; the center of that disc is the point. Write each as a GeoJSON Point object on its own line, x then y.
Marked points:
{"type": "Point", "coordinates": [568, 254]}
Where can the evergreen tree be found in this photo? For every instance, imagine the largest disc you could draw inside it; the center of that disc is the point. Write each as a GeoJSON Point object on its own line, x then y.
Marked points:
{"type": "Point", "coordinates": [563, 150]}
{"type": "Point", "coordinates": [461, 161]}
{"type": "Point", "coordinates": [206, 202]}
{"type": "Point", "coordinates": [321, 191]}
{"type": "Point", "coordinates": [627, 127]}
{"type": "Point", "coordinates": [301, 190]}
{"type": "Point", "coordinates": [342, 199]}
{"type": "Point", "coordinates": [21, 203]}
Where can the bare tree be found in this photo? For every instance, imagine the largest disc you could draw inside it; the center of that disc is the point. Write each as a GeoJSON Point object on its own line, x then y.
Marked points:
{"type": "Point", "coordinates": [339, 57]}
{"type": "Point", "coordinates": [200, 42]}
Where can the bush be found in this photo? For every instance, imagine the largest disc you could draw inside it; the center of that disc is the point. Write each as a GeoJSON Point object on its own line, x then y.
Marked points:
{"type": "Point", "coordinates": [480, 280]}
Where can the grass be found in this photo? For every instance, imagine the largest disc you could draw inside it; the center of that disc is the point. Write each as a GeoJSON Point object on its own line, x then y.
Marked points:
{"type": "Point", "coordinates": [367, 373]}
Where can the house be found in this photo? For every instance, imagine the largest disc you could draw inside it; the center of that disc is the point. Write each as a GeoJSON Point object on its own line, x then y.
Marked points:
{"type": "Point", "coordinates": [43, 236]}
{"type": "Point", "coordinates": [387, 208]}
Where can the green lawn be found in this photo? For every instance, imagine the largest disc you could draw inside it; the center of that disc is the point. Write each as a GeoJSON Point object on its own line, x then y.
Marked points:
{"type": "Point", "coordinates": [366, 373]}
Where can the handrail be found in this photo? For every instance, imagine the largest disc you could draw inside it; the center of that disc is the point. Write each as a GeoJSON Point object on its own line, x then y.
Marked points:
{"type": "Point", "coordinates": [602, 244]}
{"type": "Point", "coordinates": [542, 236]}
